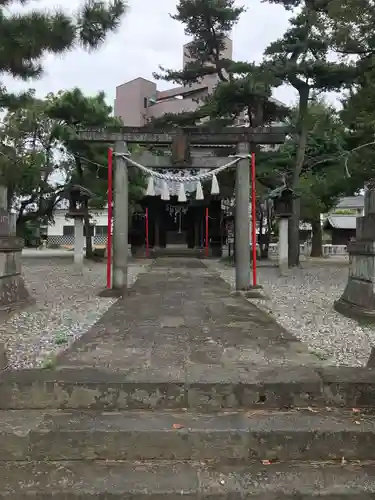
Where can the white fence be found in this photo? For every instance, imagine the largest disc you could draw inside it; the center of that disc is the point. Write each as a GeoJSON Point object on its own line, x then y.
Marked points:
{"type": "Point", "coordinates": [305, 249]}
{"type": "Point", "coordinates": [65, 240]}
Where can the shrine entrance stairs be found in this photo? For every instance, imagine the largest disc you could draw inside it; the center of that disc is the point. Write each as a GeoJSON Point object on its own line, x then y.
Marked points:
{"type": "Point", "coordinates": [182, 390]}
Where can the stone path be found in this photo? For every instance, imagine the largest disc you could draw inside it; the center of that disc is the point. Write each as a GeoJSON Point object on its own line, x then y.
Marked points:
{"type": "Point", "coordinates": [184, 390]}
{"type": "Point", "coordinates": [180, 316]}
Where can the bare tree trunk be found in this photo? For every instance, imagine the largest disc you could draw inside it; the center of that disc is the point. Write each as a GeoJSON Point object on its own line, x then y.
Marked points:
{"type": "Point", "coordinates": [293, 228]}
{"type": "Point", "coordinates": [293, 234]}
{"type": "Point", "coordinates": [317, 238]}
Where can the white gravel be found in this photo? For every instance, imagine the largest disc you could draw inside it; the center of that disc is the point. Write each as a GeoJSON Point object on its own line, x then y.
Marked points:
{"type": "Point", "coordinates": [302, 302]}
{"type": "Point", "coordinates": [66, 306]}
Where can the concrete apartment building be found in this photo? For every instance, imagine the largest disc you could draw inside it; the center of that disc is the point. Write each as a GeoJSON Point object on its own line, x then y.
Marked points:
{"type": "Point", "coordinates": [140, 100]}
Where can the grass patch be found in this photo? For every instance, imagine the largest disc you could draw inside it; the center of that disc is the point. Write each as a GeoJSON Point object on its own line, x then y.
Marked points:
{"type": "Point", "coordinates": [61, 339]}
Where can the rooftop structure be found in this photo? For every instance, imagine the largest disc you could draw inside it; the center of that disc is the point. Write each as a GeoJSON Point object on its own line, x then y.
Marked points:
{"type": "Point", "coordinates": [139, 100]}
{"type": "Point", "coordinates": [351, 203]}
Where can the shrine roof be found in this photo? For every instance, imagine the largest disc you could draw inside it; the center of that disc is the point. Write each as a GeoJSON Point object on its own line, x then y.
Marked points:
{"type": "Point", "coordinates": [341, 222]}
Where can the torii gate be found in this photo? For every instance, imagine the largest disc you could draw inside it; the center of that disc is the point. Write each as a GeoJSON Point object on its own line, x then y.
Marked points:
{"type": "Point", "coordinates": [244, 139]}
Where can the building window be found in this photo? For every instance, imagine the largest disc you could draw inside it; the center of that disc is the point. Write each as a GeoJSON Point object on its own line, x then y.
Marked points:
{"type": "Point", "coordinates": [145, 102]}
{"type": "Point", "coordinates": [68, 230]}
{"type": "Point", "coordinates": [101, 230]}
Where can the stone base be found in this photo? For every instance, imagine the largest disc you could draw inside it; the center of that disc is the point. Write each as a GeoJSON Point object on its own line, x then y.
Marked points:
{"type": "Point", "coordinates": [253, 292]}
{"type": "Point", "coordinates": [371, 359]}
{"type": "Point", "coordinates": [358, 298]}
{"type": "Point", "coordinates": [354, 311]}
{"type": "Point", "coordinates": [13, 292]}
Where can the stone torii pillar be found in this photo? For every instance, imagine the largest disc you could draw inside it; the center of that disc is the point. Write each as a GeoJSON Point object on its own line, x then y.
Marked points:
{"type": "Point", "coordinates": [242, 220]}
{"type": "Point", "coordinates": [120, 221]}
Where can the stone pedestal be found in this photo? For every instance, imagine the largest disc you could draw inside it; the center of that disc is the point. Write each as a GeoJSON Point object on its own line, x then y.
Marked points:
{"type": "Point", "coordinates": [12, 286]}
{"type": "Point", "coordinates": [283, 244]}
{"type": "Point", "coordinates": [79, 241]}
{"type": "Point", "coordinates": [358, 299]}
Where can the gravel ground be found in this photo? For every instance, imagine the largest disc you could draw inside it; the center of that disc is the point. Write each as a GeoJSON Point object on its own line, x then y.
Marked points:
{"type": "Point", "coordinates": [66, 305]}
{"type": "Point", "coordinates": [302, 302]}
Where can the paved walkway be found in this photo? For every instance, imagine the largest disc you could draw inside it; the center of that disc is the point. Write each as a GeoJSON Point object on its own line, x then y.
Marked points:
{"type": "Point", "coordinates": [181, 315]}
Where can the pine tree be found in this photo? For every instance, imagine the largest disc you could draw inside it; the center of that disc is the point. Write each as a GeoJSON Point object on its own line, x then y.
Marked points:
{"type": "Point", "coordinates": [301, 58]}
{"type": "Point", "coordinates": [26, 37]}
{"type": "Point", "coordinates": [243, 87]}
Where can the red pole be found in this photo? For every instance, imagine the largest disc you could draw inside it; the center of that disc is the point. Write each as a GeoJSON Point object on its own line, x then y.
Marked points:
{"type": "Point", "coordinates": [253, 219]}
{"type": "Point", "coordinates": [146, 232]}
{"type": "Point", "coordinates": [207, 232]}
{"type": "Point", "coordinates": [109, 221]}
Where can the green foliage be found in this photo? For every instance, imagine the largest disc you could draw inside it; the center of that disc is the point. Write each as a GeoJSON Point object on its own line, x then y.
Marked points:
{"type": "Point", "coordinates": [28, 162]}
{"type": "Point", "coordinates": [350, 24]}
{"type": "Point", "coordinates": [323, 178]}
{"type": "Point", "coordinates": [358, 116]}
{"type": "Point", "coordinates": [358, 111]}
{"type": "Point", "coordinates": [301, 57]}
{"type": "Point", "coordinates": [40, 155]}
{"type": "Point", "coordinates": [72, 110]}
{"type": "Point", "coordinates": [26, 37]}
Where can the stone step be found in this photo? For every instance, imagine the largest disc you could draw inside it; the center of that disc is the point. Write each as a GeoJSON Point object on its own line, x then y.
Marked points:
{"type": "Point", "coordinates": [228, 436]}
{"type": "Point", "coordinates": [106, 480]}
{"type": "Point", "coordinates": [200, 387]}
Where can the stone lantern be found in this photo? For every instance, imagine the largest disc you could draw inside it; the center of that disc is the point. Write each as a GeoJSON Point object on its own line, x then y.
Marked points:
{"type": "Point", "coordinates": [283, 201]}
{"type": "Point", "coordinates": [358, 298]}
{"type": "Point", "coordinates": [12, 287]}
{"type": "Point", "coordinates": [283, 207]}
{"type": "Point", "coordinates": [78, 197]}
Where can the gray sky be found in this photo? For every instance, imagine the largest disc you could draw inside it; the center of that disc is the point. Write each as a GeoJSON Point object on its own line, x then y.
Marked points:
{"type": "Point", "coordinates": [149, 37]}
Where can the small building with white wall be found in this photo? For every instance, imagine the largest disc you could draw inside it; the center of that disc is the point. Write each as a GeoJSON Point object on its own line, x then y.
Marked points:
{"type": "Point", "coordinates": [60, 233]}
